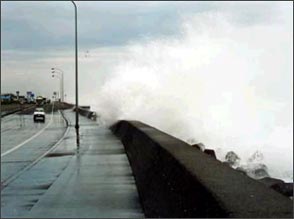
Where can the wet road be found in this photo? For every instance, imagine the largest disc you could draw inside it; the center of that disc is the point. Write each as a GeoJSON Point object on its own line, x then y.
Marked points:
{"type": "Point", "coordinates": [94, 181]}
{"type": "Point", "coordinates": [23, 141]}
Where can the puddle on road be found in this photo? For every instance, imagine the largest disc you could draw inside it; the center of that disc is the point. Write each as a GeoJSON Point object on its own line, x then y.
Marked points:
{"type": "Point", "coordinates": [60, 154]}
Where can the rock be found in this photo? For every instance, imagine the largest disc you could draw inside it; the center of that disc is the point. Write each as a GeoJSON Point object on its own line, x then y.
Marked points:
{"type": "Point", "coordinates": [257, 171]}
{"type": "Point", "coordinates": [284, 188]}
{"type": "Point", "coordinates": [232, 158]}
{"type": "Point", "coordinates": [269, 181]}
{"type": "Point", "coordinates": [199, 146]}
{"type": "Point", "coordinates": [278, 185]}
{"type": "Point", "coordinates": [210, 152]}
{"type": "Point", "coordinates": [227, 163]}
{"type": "Point", "coordinates": [196, 146]}
{"type": "Point", "coordinates": [241, 170]}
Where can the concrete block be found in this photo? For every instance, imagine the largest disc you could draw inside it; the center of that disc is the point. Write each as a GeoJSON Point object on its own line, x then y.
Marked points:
{"type": "Point", "coordinates": [175, 180]}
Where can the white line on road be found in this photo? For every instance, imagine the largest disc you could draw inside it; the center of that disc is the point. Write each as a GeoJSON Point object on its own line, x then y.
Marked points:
{"type": "Point", "coordinates": [11, 179]}
{"type": "Point", "coordinates": [29, 139]}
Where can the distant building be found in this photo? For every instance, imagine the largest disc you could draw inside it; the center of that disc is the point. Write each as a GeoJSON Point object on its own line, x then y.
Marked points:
{"type": "Point", "coordinates": [8, 98]}
{"type": "Point", "coordinates": [22, 99]}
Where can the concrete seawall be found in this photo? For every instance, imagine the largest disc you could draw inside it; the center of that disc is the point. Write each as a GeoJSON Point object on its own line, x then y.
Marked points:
{"type": "Point", "coordinates": [176, 180]}
{"type": "Point", "coordinates": [85, 111]}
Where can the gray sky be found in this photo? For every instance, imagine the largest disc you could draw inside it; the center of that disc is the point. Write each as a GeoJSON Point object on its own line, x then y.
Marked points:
{"type": "Point", "coordinates": [36, 36]}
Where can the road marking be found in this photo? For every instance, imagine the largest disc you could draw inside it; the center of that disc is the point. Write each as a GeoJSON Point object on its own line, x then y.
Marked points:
{"type": "Point", "coordinates": [6, 182]}
{"type": "Point", "coordinates": [31, 138]}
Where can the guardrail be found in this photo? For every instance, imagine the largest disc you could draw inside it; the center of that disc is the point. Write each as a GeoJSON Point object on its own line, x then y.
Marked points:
{"type": "Point", "coordinates": [16, 110]}
{"type": "Point", "coordinates": [176, 180]}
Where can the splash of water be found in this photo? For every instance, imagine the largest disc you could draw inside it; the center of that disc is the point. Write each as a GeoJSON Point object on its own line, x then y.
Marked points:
{"type": "Point", "coordinates": [225, 85]}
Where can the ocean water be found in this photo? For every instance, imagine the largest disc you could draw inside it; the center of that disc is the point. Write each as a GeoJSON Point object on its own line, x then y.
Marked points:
{"type": "Point", "coordinates": [226, 85]}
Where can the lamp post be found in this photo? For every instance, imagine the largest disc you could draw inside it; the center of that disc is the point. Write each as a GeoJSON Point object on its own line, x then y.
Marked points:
{"type": "Point", "coordinates": [60, 73]}
{"type": "Point", "coordinates": [76, 67]}
{"type": "Point", "coordinates": [60, 82]}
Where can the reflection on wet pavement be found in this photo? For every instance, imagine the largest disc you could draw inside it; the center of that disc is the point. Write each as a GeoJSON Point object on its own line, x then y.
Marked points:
{"type": "Point", "coordinates": [94, 181]}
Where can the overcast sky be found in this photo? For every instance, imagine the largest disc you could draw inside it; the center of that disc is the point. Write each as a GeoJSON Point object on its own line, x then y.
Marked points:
{"type": "Point", "coordinates": [36, 36]}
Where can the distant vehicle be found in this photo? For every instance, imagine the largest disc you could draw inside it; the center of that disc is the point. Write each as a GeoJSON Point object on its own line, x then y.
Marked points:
{"type": "Point", "coordinates": [22, 99]}
{"type": "Point", "coordinates": [39, 114]}
{"type": "Point", "coordinates": [39, 100]}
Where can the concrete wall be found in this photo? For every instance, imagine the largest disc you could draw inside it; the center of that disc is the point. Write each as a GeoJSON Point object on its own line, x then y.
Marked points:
{"type": "Point", "coordinates": [85, 111]}
{"type": "Point", "coordinates": [177, 180]}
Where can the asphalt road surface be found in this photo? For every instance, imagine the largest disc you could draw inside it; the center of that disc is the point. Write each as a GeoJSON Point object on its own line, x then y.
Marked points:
{"type": "Point", "coordinates": [23, 141]}
{"type": "Point", "coordinates": [44, 174]}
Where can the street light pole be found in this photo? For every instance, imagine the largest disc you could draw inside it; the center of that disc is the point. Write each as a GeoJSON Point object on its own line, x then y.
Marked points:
{"type": "Point", "coordinates": [61, 83]}
{"type": "Point", "coordinates": [76, 51]}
